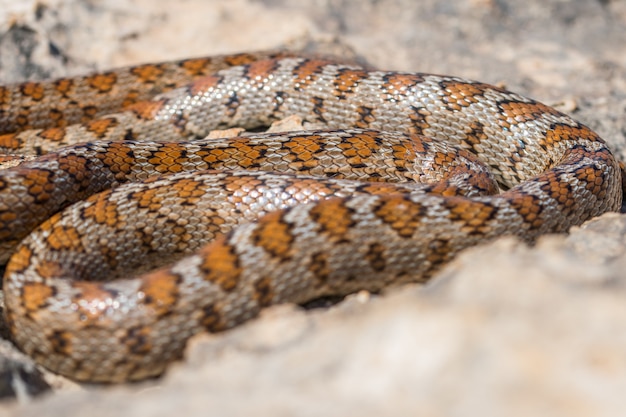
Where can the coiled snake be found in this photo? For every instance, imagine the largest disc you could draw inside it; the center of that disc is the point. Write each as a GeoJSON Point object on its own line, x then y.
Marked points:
{"type": "Point", "coordinates": [411, 179]}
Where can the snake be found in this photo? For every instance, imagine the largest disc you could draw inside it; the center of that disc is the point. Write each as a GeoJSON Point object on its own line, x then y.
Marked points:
{"type": "Point", "coordinates": [128, 230]}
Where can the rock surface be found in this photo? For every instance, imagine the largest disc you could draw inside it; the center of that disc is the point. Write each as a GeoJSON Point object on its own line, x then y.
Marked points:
{"type": "Point", "coordinates": [503, 330]}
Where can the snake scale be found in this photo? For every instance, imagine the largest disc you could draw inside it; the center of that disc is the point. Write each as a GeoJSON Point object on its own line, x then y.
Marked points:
{"type": "Point", "coordinates": [132, 231]}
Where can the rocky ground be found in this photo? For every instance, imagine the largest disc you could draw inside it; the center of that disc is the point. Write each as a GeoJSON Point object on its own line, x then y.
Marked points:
{"type": "Point", "coordinates": [504, 330]}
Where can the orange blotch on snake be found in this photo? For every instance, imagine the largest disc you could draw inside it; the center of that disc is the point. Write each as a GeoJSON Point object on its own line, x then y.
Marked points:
{"type": "Point", "coordinates": [459, 94]}
{"type": "Point", "coordinates": [307, 72]}
{"type": "Point", "coordinates": [33, 90]}
{"type": "Point", "coordinates": [147, 110]}
{"type": "Point", "coordinates": [11, 141]}
{"type": "Point", "coordinates": [102, 211]}
{"type": "Point", "coordinates": [474, 215]}
{"type": "Point", "coordinates": [260, 70]}
{"type": "Point", "coordinates": [55, 134]}
{"type": "Point", "coordinates": [402, 215]}
{"type": "Point", "coordinates": [20, 260]}
{"type": "Point", "coordinates": [274, 235]}
{"type": "Point", "coordinates": [521, 112]}
{"type": "Point", "coordinates": [92, 301]}
{"type": "Point", "coordinates": [50, 269]}
{"type": "Point", "coordinates": [189, 190]}
{"type": "Point", "coordinates": [360, 147]}
{"type": "Point", "coordinates": [170, 158]}
{"type": "Point", "coordinates": [5, 96]}
{"type": "Point", "coordinates": [148, 73]}
{"type": "Point", "coordinates": [65, 238]}
{"type": "Point", "coordinates": [64, 86]}
{"type": "Point", "coordinates": [195, 67]}
{"type": "Point", "coordinates": [204, 84]}
{"type": "Point", "coordinates": [102, 83]}
{"type": "Point", "coordinates": [118, 158]}
{"type": "Point", "coordinates": [220, 265]}
{"type": "Point", "coordinates": [334, 218]}
{"type": "Point", "coordinates": [161, 291]}
{"type": "Point", "coordinates": [39, 185]}
{"type": "Point", "coordinates": [100, 127]}
{"type": "Point", "coordinates": [399, 83]}
{"type": "Point", "coordinates": [346, 81]}
{"type": "Point", "coordinates": [35, 296]}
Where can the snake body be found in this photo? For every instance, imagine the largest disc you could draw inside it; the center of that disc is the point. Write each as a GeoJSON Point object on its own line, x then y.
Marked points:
{"type": "Point", "coordinates": [404, 175]}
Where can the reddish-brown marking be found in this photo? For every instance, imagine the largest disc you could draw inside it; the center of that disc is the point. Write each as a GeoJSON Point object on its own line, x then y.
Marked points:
{"type": "Point", "coordinates": [189, 190]}
{"type": "Point", "coordinates": [302, 151]}
{"type": "Point", "coordinates": [118, 158]}
{"type": "Point", "coordinates": [519, 112]}
{"type": "Point", "coordinates": [246, 155]}
{"type": "Point", "coordinates": [400, 214]}
{"type": "Point", "coordinates": [78, 167]}
{"type": "Point", "coordinates": [148, 73]}
{"type": "Point", "coordinates": [359, 148]}
{"type": "Point", "coordinates": [376, 257]}
{"type": "Point", "coordinates": [274, 235]}
{"type": "Point", "coordinates": [103, 212]}
{"type": "Point", "coordinates": [241, 59]}
{"type": "Point", "coordinates": [35, 296]}
{"type": "Point", "coordinates": [39, 184]}
{"type": "Point", "coordinates": [146, 110]}
{"type": "Point", "coordinates": [137, 340]}
{"type": "Point", "coordinates": [5, 96]}
{"type": "Point", "coordinates": [557, 190]}
{"type": "Point", "coordinates": [102, 83]}
{"type": "Point", "coordinates": [263, 292]}
{"type": "Point", "coordinates": [61, 342]}
{"type": "Point", "coordinates": [334, 218]}
{"type": "Point", "coordinates": [55, 134]}
{"type": "Point", "coordinates": [65, 238]}
{"type": "Point", "coordinates": [100, 127]}
{"type": "Point", "coordinates": [562, 132]}
{"type": "Point", "coordinates": [196, 66]}
{"type": "Point", "coordinates": [33, 90]}
{"type": "Point", "coordinates": [261, 70]}
{"type": "Point", "coordinates": [307, 72]}
{"type": "Point", "coordinates": [211, 318]}
{"type": "Point", "coordinates": [64, 86]}
{"type": "Point", "coordinates": [366, 117]}
{"type": "Point", "coordinates": [529, 208]}
{"type": "Point", "coordinates": [204, 84]}
{"type": "Point", "coordinates": [170, 158]}
{"type": "Point", "coordinates": [220, 265]}
{"type": "Point", "coordinates": [400, 83]}
{"type": "Point", "coordinates": [439, 251]}
{"type": "Point", "coordinates": [89, 112]}
{"type": "Point", "coordinates": [320, 267]}
{"type": "Point", "coordinates": [161, 292]}
{"type": "Point", "coordinates": [50, 269]}
{"type": "Point", "coordinates": [346, 81]}
{"type": "Point", "coordinates": [474, 215]}
{"type": "Point", "coordinates": [91, 300]}
{"type": "Point", "coordinates": [240, 186]}
{"type": "Point", "coordinates": [11, 141]}
{"type": "Point", "coordinates": [458, 94]}
{"type": "Point", "coordinates": [419, 120]}
{"type": "Point", "coordinates": [19, 261]}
